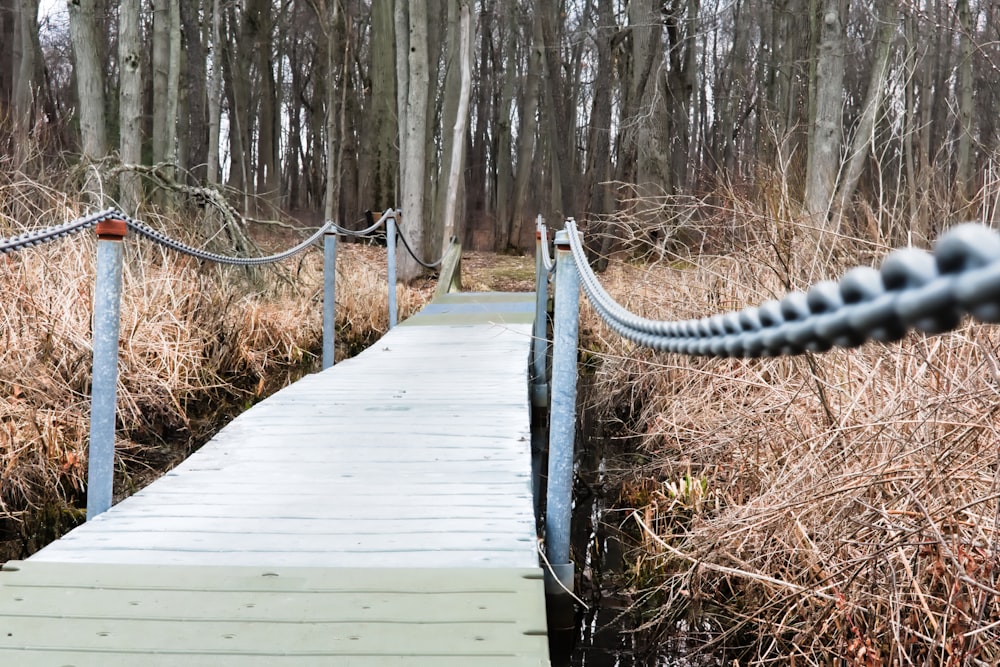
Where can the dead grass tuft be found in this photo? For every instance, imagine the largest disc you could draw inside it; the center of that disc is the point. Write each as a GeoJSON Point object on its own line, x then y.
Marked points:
{"type": "Point", "coordinates": [828, 509]}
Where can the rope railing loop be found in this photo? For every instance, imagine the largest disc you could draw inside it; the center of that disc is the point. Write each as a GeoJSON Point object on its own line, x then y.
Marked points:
{"type": "Point", "coordinates": [367, 231]}
{"type": "Point", "coordinates": [418, 260]}
{"type": "Point", "coordinates": [547, 262]}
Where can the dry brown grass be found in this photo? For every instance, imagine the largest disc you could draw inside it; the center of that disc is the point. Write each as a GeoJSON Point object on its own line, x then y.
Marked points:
{"type": "Point", "coordinates": [830, 509]}
{"type": "Point", "coordinates": [198, 342]}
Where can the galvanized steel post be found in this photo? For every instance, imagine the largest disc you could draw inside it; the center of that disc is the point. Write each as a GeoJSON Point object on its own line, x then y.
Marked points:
{"type": "Point", "coordinates": [562, 419]}
{"type": "Point", "coordinates": [390, 244]}
{"type": "Point", "coordinates": [104, 383]}
{"type": "Point", "coordinates": [329, 296]}
{"type": "Point", "coordinates": [539, 349]}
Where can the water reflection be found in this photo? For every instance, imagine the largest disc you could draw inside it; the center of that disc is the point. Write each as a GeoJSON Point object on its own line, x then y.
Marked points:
{"type": "Point", "coordinates": [607, 633]}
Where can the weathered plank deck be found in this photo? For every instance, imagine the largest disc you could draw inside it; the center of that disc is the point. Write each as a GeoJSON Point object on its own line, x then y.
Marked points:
{"type": "Point", "coordinates": [379, 511]}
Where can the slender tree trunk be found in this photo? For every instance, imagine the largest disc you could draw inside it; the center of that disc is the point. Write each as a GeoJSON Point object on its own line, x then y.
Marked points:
{"type": "Point", "coordinates": [192, 131]}
{"type": "Point", "coordinates": [130, 102]}
{"type": "Point", "coordinates": [29, 80]}
{"type": "Point", "coordinates": [173, 82]}
{"type": "Point", "coordinates": [215, 96]}
{"type": "Point", "coordinates": [161, 77]}
{"type": "Point", "coordinates": [10, 46]}
{"type": "Point", "coordinates": [599, 142]}
{"type": "Point", "coordinates": [449, 113]}
{"type": "Point", "coordinates": [413, 130]}
{"type": "Point", "coordinates": [865, 131]}
{"type": "Point", "coordinates": [561, 133]}
{"type": "Point", "coordinates": [385, 153]}
{"type": "Point", "coordinates": [258, 26]}
{"type": "Point", "coordinates": [90, 89]}
{"type": "Point", "coordinates": [333, 145]}
{"type": "Point", "coordinates": [910, 129]}
{"type": "Point", "coordinates": [964, 160]}
{"type": "Point", "coordinates": [648, 166]}
{"type": "Point", "coordinates": [526, 136]}
{"type": "Point", "coordinates": [461, 122]}
{"type": "Point", "coordinates": [824, 163]}
{"type": "Point", "coordinates": [504, 162]}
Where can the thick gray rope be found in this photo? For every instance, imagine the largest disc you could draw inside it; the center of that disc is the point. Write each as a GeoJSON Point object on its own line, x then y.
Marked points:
{"type": "Point", "coordinates": [39, 236]}
{"type": "Point", "coordinates": [426, 265]}
{"type": "Point", "coordinates": [547, 262]}
{"type": "Point", "coordinates": [361, 233]}
{"type": "Point", "coordinates": [58, 231]}
{"type": "Point", "coordinates": [913, 289]}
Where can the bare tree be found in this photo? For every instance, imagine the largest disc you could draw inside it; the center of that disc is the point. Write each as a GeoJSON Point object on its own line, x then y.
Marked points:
{"type": "Point", "coordinates": [460, 123]}
{"type": "Point", "coordinates": [413, 76]}
{"type": "Point", "coordinates": [827, 129]}
{"type": "Point", "coordinates": [129, 101]}
{"type": "Point", "coordinates": [861, 143]}
{"type": "Point", "coordinates": [90, 89]}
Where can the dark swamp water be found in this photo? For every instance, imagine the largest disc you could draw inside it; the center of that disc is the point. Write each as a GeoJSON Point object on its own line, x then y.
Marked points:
{"type": "Point", "coordinates": [607, 631]}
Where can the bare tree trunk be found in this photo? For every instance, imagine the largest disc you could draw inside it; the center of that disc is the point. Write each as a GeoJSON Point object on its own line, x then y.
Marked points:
{"type": "Point", "coordinates": [526, 136]}
{"type": "Point", "coordinates": [413, 129]}
{"type": "Point", "coordinates": [384, 132]}
{"type": "Point", "coordinates": [90, 89]}
{"type": "Point", "coordinates": [824, 162]}
{"type": "Point", "coordinates": [10, 46]}
{"type": "Point", "coordinates": [461, 122]}
{"type": "Point", "coordinates": [215, 96]}
{"type": "Point", "coordinates": [642, 138]}
{"type": "Point", "coordinates": [333, 146]}
{"type": "Point", "coordinates": [864, 133]}
{"type": "Point", "coordinates": [192, 129]}
{"type": "Point", "coordinates": [449, 112]}
{"type": "Point", "coordinates": [963, 168]}
{"type": "Point", "coordinates": [562, 134]}
{"type": "Point", "coordinates": [130, 102]}
{"type": "Point", "coordinates": [258, 26]}
{"type": "Point", "coordinates": [504, 163]}
{"type": "Point", "coordinates": [910, 129]}
{"type": "Point", "coordinates": [173, 82]}
{"type": "Point", "coordinates": [161, 77]}
{"type": "Point", "coordinates": [599, 142]}
{"type": "Point", "coordinates": [28, 85]}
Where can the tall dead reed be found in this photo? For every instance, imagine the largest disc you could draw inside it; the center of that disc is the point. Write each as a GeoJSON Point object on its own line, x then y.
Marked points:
{"type": "Point", "coordinates": [834, 509]}
{"type": "Point", "coordinates": [198, 342]}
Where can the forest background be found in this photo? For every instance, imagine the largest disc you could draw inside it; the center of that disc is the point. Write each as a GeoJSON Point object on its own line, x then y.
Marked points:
{"type": "Point", "coordinates": [860, 111]}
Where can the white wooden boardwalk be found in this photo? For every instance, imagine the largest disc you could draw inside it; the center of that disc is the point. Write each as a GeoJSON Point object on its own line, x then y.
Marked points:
{"type": "Point", "coordinates": [412, 459]}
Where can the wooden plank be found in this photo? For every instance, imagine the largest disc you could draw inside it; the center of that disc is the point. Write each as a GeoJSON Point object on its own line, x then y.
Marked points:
{"type": "Point", "coordinates": [414, 616]}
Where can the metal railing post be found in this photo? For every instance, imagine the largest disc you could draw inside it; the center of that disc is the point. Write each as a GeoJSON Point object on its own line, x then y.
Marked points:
{"type": "Point", "coordinates": [329, 297]}
{"type": "Point", "coordinates": [539, 349]}
{"type": "Point", "coordinates": [562, 419]}
{"type": "Point", "coordinates": [390, 244]}
{"type": "Point", "coordinates": [104, 383]}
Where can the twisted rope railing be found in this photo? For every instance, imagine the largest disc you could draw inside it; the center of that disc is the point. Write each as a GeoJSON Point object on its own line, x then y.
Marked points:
{"type": "Point", "coordinates": [913, 289]}
{"type": "Point", "coordinates": [40, 236]}
{"type": "Point", "coordinates": [418, 260]}
{"type": "Point", "coordinates": [66, 229]}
